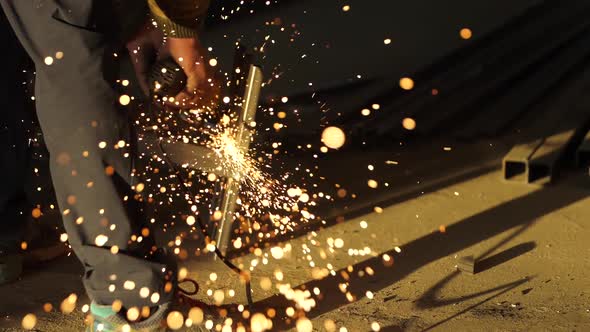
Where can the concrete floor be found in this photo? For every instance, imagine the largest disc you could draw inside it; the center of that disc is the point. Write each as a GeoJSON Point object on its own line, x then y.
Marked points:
{"type": "Point", "coordinates": [532, 243]}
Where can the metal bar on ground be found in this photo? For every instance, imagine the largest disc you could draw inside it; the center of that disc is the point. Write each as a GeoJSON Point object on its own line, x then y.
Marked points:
{"type": "Point", "coordinates": [543, 166]}
{"type": "Point", "coordinates": [515, 165]}
{"type": "Point", "coordinates": [538, 163]}
{"type": "Point", "coordinates": [244, 132]}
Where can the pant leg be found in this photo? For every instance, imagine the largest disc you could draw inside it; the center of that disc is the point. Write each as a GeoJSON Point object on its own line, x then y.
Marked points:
{"type": "Point", "coordinates": [77, 110]}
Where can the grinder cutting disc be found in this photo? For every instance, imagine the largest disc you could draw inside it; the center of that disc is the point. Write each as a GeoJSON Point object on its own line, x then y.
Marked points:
{"type": "Point", "coordinates": [166, 78]}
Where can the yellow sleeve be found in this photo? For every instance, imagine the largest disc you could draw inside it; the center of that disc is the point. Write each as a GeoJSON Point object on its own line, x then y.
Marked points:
{"type": "Point", "coordinates": [179, 18]}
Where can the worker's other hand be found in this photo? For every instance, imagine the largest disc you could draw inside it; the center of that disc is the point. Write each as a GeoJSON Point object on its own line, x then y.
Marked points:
{"type": "Point", "coordinates": [188, 53]}
{"type": "Point", "coordinates": [150, 44]}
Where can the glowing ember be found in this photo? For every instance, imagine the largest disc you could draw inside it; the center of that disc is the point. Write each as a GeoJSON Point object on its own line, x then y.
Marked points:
{"type": "Point", "coordinates": [329, 325]}
{"type": "Point", "coordinates": [238, 243]}
{"type": "Point", "coordinates": [304, 198]}
{"type": "Point", "coordinates": [406, 83]}
{"type": "Point", "coordinates": [190, 220]}
{"type": "Point", "coordinates": [277, 252]}
{"type": "Point", "coordinates": [466, 33]}
{"type": "Point", "coordinates": [36, 213]}
{"type": "Point", "coordinates": [196, 315]}
{"type": "Point", "coordinates": [155, 298]}
{"type": "Point", "coordinates": [375, 326]}
{"type": "Point", "coordinates": [29, 322]}
{"type": "Point", "coordinates": [265, 283]}
{"type": "Point", "coordinates": [69, 304]}
{"type": "Point", "coordinates": [304, 325]}
{"type": "Point", "coordinates": [175, 320]}
{"type": "Point", "coordinates": [302, 298]}
{"type": "Point", "coordinates": [144, 292]}
{"type": "Point", "coordinates": [294, 192]}
{"type": "Point", "coordinates": [117, 306]}
{"type": "Point", "coordinates": [218, 296]}
{"type": "Point", "coordinates": [139, 187]}
{"type": "Point", "coordinates": [409, 124]}
{"type": "Point", "coordinates": [124, 100]}
{"type": "Point", "coordinates": [333, 137]}
{"type": "Point", "coordinates": [129, 285]}
{"type": "Point", "coordinates": [259, 323]}
{"type": "Point", "coordinates": [133, 314]}
{"type": "Point", "coordinates": [101, 240]}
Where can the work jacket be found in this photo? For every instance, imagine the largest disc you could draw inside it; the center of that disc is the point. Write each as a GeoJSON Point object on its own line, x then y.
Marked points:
{"type": "Point", "coordinates": [177, 18]}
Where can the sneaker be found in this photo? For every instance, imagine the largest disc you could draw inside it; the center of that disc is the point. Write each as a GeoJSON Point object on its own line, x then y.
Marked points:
{"type": "Point", "coordinates": [105, 319]}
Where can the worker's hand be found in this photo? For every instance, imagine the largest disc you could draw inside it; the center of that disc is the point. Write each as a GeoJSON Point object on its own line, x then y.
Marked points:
{"type": "Point", "coordinates": [150, 43]}
{"type": "Point", "coordinates": [188, 53]}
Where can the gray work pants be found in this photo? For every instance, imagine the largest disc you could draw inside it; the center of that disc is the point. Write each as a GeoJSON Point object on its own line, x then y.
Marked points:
{"type": "Point", "coordinates": [77, 106]}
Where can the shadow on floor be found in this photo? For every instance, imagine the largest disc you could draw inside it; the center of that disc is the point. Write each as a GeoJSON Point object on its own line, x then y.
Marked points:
{"type": "Point", "coordinates": [521, 212]}
{"type": "Point", "coordinates": [429, 298]}
{"type": "Point", "coordinates": [505, 256]}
